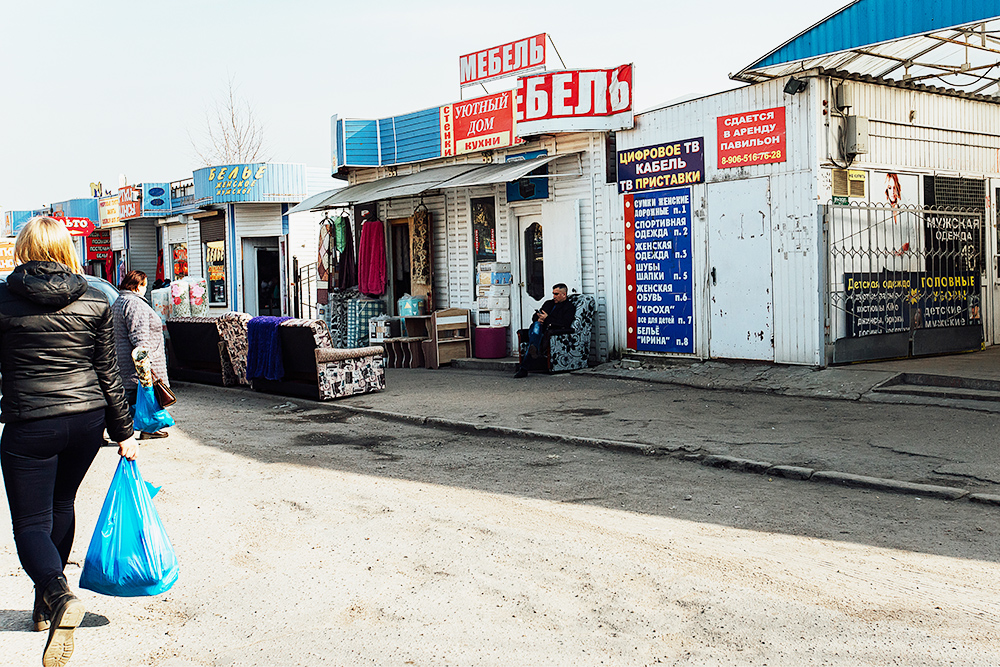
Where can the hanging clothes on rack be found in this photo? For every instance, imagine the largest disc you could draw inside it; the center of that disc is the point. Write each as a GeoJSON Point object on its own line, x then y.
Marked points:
{"type": "Point", "coordinates": [420, 259]}
{"type": "Point", "coordinates": [340, 231]}
{"type": "Point", "coordinates": [347, 268]}
{"type": "Point", "coordinates": [371, 259]}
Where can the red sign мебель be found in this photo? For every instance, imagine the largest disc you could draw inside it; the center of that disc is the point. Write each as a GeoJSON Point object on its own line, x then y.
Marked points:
{"type": "Point", "coordinates": [756, 137]}
{"type": "Point", "coordinates": [574, 101]}
{"type": "Point", "coordinates": [518, 57]}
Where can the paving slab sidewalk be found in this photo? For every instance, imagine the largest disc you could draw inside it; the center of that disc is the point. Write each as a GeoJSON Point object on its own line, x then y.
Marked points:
{"type": "Point", "coordinates": [931, 451]}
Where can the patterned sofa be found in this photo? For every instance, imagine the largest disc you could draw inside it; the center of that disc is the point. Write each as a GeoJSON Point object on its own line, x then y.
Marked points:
{"type": "Point", "coordinates": [315, 369]}
{"type": "Point", "coordinates": [568, 351]}
{"type": "Point", "coordinates": [345, 372]}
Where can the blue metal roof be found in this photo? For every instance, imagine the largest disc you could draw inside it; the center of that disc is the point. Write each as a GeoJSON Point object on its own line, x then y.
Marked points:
{"type": "Point", "coordinates": [950, 43]}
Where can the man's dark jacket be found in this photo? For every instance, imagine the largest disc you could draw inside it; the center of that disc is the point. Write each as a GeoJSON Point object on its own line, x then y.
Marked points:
{"type": "Point", "coordinates": [57, 350]}
{"type": "Point", "coordinates": [560, 316]}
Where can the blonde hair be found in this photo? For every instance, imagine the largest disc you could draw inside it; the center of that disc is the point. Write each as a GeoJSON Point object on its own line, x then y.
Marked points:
{"type": "Point", "coordinates": [43, 239]}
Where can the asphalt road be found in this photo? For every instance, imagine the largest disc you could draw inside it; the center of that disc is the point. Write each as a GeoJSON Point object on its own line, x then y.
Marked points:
{"type": "Point", "coordinates": [311, 536]}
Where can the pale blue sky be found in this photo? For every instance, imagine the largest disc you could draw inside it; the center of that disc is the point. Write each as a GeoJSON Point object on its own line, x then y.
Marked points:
{"type": "Point", "coordinates": [92, 90]}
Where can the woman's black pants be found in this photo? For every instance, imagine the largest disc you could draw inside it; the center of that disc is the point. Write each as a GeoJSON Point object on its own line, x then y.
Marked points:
{"type": "Point", "coordinates": [44, 462]}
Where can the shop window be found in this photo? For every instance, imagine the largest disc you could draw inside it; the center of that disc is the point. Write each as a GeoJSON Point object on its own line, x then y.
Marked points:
{"type": "Point", "coordinates": [484, 229]}
{"type": "Point", "coordinates": [215, 269]}
{"type": "Point", "coordinates": [534, 264]}
{"type": "Point", "coordinates": [179, 257]}
{"type": "Point", "coordinates": [610, 158]}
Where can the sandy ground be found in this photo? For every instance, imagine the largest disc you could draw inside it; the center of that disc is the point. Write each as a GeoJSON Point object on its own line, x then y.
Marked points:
{"type": "Point", "coordinates": [307, 536]}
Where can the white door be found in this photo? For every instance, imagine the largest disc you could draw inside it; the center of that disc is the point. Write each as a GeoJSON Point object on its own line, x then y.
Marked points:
{"type": "Point", "coordinates": [261, 276]}
{"type": "Point", "coordinates": [739, 249]}
{"type": "Point", "coordinates": [549, 253]}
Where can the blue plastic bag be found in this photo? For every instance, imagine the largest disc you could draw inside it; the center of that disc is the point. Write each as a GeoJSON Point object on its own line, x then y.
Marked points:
{"type": "Point", "coordinates": [149, 416]}
{"type": "Point", "coordinates": [130, 553]}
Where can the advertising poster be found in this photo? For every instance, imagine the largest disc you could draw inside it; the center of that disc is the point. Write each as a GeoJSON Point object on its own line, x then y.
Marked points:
{"type": "Point", "coordinates": [180, 258]}
{"type": "Point", "coordinates": [215, 261]}
{"type": "Point", "coordinates": [107, 212]}
{"type": "Point", "coordinates": [6, 257]}
{"type": "Point", "coordinates": [76, 226]}
{"type": "Point", "coordinates": [480, 124]}
{"type": "Point", "coordinates": [524, 55]}
{"type": "Point", "coordinates": [585, 100]}
{"type": "Point", "coordinates": [756, 137]}
{"type": "Point", "coordinates": [484, 230]}
{"type": "Point", "coordinates": [129, 202]}
{"type": "Point", "coordinates": [99, 245]}
{"type": "Point", "coordinates": [895, 301]}
{"type": "Point", "coordinates": [660, 166]}
{"type": "Point", "coordinates": [658, 271]}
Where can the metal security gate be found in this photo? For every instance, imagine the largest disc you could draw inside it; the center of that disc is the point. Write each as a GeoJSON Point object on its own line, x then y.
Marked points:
{"type": "Point", "coordinates": [304, 290]}
{"type": "Point", "coordinates": [903, 280]}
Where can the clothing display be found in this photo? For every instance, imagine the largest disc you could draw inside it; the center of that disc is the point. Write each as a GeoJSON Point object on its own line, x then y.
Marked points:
{"type": "Point", "coordinates": [340, 232]}
{"type": "Point", "coordinates": [371, 258]}
{"type": "Point", "coordinates": [264, 348]}
{"type": "Point", "coordinates": [347, 268]}
{"type": "Point", "coordinates": [420, 258]}
{"type": "Point", "coordinates": [359, 311]}
{"type": "Point", "coordinates": [337, 314]}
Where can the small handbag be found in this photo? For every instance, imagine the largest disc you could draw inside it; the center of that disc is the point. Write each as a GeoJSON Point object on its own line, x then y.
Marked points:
{"type": "Point", "coordinates": [164, 394]}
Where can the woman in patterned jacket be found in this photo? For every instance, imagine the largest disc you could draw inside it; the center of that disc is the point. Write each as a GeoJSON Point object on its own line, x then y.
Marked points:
{"type": "Point", "coordinates": [137, 325]}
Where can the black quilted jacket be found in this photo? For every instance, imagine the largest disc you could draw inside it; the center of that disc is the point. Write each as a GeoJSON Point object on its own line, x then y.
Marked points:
{"type": "Point", "coordinates": [57, 351]}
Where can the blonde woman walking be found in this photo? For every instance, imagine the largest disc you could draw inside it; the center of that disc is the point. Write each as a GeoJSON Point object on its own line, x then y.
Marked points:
{"type": "Point", "coordinates": [60, 389]}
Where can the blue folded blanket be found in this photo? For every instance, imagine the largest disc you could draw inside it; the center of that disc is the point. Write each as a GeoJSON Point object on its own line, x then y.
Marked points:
{"type": "Point", "coordinates": [264, 348]}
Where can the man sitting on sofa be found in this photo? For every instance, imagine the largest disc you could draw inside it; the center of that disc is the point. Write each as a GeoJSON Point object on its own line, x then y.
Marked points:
{"type": "Point", "coordinates": [554, 317]}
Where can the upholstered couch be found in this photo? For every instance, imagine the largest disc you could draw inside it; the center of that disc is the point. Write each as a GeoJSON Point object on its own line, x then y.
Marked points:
{"type": "Point", "coordinates": [195, 352]}
{"type": "Point", "coordinates": [345, 372]}
{"type": "Point", "coordinates": [567, 351]}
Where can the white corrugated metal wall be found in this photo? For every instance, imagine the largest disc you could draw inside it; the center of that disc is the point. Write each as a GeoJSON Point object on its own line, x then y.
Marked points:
{"type": "Point", "coordinates": [258, 220]}
{"type": "Point", "coordinates": [796, 228]}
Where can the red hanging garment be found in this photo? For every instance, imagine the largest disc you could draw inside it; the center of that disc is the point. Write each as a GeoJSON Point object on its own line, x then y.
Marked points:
{"type": "Point", "coordinates": [371, 259]}
{"type": "Point", "coordinates": [159, 267]}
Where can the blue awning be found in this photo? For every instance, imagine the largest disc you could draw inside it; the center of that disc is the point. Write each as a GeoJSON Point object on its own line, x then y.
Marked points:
{"type": "Point", "coordinates": [950, 44]}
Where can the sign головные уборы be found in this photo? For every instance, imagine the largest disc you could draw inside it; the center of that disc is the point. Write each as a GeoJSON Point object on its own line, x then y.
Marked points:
{"type": "Point", "coordinates": [756, 137]}
{"type": "Point", "coordinates": [658, 271]}
{"type": "Point", "coordinates": [895, 301]}
{"type": "Point", "coordinates": [661, 166]}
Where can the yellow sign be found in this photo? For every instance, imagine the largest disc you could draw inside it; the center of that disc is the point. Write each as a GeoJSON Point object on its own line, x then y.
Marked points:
{"type": "Point", "coordinates": [107, 212]}
{"type": "Point", "coordinates": [6, 257]}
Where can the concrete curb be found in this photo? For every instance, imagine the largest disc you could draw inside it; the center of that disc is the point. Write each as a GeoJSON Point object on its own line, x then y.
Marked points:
{"type": "Point", "coordinates": [689, 453]}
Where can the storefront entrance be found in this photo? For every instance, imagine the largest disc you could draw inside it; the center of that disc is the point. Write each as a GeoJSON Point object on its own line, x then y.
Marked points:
{"type": "Point", "coordinates": [262, 276]}
{"type": "Point", "coordinates": [739, 251]}
{"type": "Point", "coordinates": [549, 254]}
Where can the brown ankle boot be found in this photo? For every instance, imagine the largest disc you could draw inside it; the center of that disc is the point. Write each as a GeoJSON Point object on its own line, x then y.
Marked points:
{"type": "Point", "coordinates": [65, 614]}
